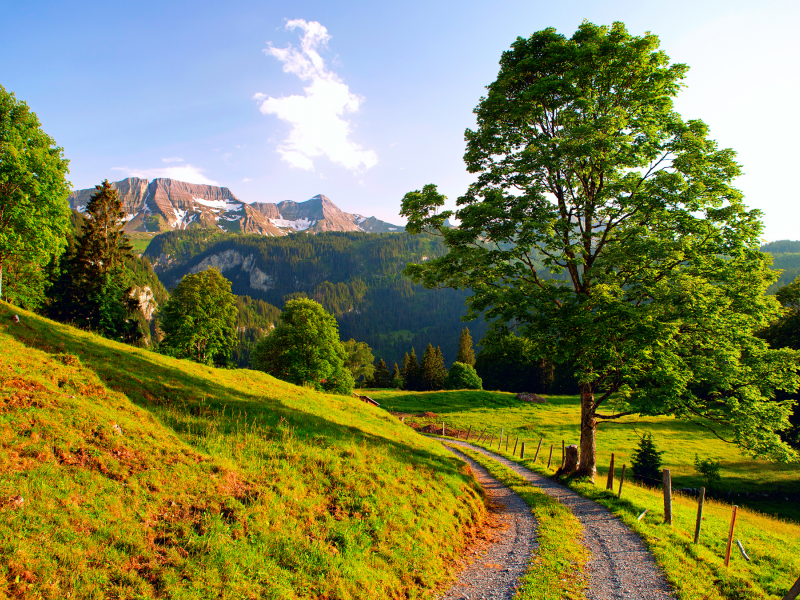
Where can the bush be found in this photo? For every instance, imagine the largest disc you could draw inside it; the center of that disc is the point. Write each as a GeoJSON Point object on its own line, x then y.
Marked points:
{"type": "Point", "coordinates": [646, 461]}
{"type": "Point", "coordinates": [708, 469]}
{"type": "Point", "coordinates": [462, 377]}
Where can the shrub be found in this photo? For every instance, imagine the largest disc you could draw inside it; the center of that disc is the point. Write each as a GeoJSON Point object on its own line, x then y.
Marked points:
{"type": "Point", "coordinates": [646, 461]}
{"type": "Point", "coordinates": [709, 469]}
{"type": "Point", "coordinates": [462, 377]}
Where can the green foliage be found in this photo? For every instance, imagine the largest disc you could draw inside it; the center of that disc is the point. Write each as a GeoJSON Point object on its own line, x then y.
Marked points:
{"type": "Point", "coordinates": [785, 258]}
{"type": "Point", "coordinates": [359, 359]}
{"type": "Point", "coordinates": [397, 378]}
{"type": "Point", "coordinates": [382, 377]}
{"type": "Point", "coordinates": [357, 277]}
{"type": "Point", "coordinates": [255, 319]}
{"type": "Point", "coordinates": [34, 214]}
{"type": "Point", "coordinates": [510, 363]}
{"type": "Point", "coordinates": [709, 469]}
{"type": "Point", "coordinates": [466, 354]}
{"type": "Point", "coordinates": [149, 477]}
{"type": "Point", "coordinates": [305, 349]}
{"type": "Point", "coordinates": [92, 287]}
{"type": "Point", "coordinates": [432, 370]}
{"type": "Point", "coordinates": [199, 320]}
{"type": "Point", "coordinates": [462, 376]}
{"type": "Point", "coordinates": [608, 230]}
{"type": "Point", "coordinates": [646, 461]}
{"type": "Point", "coordinates": [412, 377]}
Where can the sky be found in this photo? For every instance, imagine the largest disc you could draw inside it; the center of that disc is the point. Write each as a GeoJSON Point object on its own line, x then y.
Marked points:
{"type": "Point", "coordinates": [365, 101]}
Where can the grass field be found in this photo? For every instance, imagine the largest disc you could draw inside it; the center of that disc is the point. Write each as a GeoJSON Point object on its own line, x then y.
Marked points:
{"type": "Point", "coordinates": [559, 419]}
{"type": "Point", "coordinates": [126, 474]}
{"type": "Point", "coordinates": [140, 240]}
{"type": "Point", "coordinates": [696, 571]}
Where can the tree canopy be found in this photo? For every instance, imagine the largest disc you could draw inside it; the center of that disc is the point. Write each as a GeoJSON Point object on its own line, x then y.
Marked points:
{"type": "Point", "coordinates": [199, 319]}
{"type": "Point", "coordinates": [34, 213]}
{"type": "Point", "coordinates": [305, 349]}
{"type": "Point", "coordinates": [607, 230]}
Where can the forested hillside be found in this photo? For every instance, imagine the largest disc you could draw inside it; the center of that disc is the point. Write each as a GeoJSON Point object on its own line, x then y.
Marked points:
{"type": "Point", "coordinates": [786, 256]}
{"type": "Point", "coordinates": [356, 276]}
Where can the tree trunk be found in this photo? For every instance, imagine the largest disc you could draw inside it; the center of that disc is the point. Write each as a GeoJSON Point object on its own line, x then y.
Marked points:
{"type": "Point", "coordinates": [588, 462]}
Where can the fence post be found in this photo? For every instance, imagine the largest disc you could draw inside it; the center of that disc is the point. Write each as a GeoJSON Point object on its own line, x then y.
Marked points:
{"type": "Point", "coordinates": [667, 497]}
{"type": "Point", "coordinates": [794, 592]}
{"type": "Point", "coordinates": [480, 437]}
{"type": "Point", "coordinates": [442, 428]}
{"type": "Point", "coordinates": [514, 451]}
{"type": "Point", "coordinates": [610, 482]}
{"type": "Point", "coordinates": [621, 481]}
{"type": "Point", "coordinates": [551, 456]}
{"type": "Point", "coordinates": [522, 453]}
{"type": "Point", "coordinates": [537, 449]}
{"type": "Point", "coordinates": [730, 536]}
{"type": "Point", "coordinates": [491, 441]}
{"type": "Point", "coordinates": [699, 514]}
{"type": "Point", "coordinates": [468, 432]}
{"type": "Point", "coordinates": [563, 453]}
{"type": "Point", "coordinates": [500, 442]}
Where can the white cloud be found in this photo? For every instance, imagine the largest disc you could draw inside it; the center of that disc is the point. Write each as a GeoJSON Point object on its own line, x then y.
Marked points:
{"type": "Point", "coordinates": [187, 173]}
{"type": "Point", "coordinates": [172, 159]}
{"type": "Point", "coordinates": [246, 179]}
{"type": "Point", "coordinates": [318, 126]}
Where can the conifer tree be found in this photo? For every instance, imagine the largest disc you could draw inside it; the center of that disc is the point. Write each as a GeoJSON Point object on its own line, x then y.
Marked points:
{"type": "Point", "coordinates": [382, 377]}
{"type": "Point", "coordinates": [432, 369]}
{"type": "Point", "coordinates": [411, 371]}
{"type": "Point", "coordinates": [466, 354]}
{"type": "Point", "coordinates": [93, 288]}
{"type": "Point", "coordinates": [397, 380]}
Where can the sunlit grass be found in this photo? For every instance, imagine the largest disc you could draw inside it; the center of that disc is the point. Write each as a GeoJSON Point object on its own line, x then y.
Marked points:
{"type": "Point", "coordinates": [214, 483]}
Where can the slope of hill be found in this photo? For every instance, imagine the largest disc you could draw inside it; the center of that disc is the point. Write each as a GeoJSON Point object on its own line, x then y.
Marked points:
{"type": "Point", "coordinates": [166, 204]}
{"type": "Point", "coordinates": [128, 474]}
{"type": "Point", "coordinates": [355, 276]}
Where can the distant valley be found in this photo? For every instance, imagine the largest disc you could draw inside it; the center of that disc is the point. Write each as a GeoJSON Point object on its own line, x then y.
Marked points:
{"type": "Point", "coordinates": [167, 205]}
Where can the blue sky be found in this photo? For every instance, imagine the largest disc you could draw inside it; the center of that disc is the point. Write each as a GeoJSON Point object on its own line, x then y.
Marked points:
{"type": "Point", "coordinates": [211, 91]}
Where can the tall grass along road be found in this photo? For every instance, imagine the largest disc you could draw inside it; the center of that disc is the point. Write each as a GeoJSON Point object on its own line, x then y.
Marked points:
{"type": "Point", "coordinates": [621, 566]}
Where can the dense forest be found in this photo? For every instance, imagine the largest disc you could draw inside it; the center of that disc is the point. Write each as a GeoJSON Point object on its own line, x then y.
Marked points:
{"type": "Point", "coordinates": [786, 256]}
{"type": "Point", "coordinates": [355, 276]}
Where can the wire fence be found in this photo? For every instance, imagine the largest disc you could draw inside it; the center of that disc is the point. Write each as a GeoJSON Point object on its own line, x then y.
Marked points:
{"type": "Point", "coordinates": [691, 503]}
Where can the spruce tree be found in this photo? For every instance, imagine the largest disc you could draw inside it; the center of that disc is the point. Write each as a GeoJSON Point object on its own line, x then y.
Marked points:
{"type": "Point", "coordinates": [397, 380]}
{"type": "Point", "coordinates": [382, 378]}
{"type": "Point", "coordinates": [646, 461]}
{"type": "Point", "coordinates": [466, 354]}
{"type": "Point", "coordinates": [411, 372]}
{"type": "Point", "coordinates": [93, 288]}
{"type": "Point", "coordinates": [432, 369]}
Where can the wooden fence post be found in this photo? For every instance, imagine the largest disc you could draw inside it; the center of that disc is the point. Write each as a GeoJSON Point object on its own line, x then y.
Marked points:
{"type": "Point", "coordinates": [667, 497]}
{"type": "Point", "coordinates": [522, 452]}
{"type": "Point", "coordinates": [730, 536]}
{"type": "Point", "coordinates": [610, 482]}
{"type": "Point", "coordinates": [700, 502]}
{"type": "Point", "coordinates": [500, 442]}
{"type": "Point", "coordinates": [621, 481]}
{"type": "Point", "coordinates": [491, 441]}
{"type": "Point", "coordinates": [480, 437]}
{"type": "Point", "coordinates": [514, 451]}
{"type": "Point", "coordinates": [443, 429]}
{"type": "Point", "coordinates": [468, 432]}
{"type": "Point", "coordinates": [537, 449]}
{"type": "Point", "coordinates": [794, 592]}
{"type": "Point", "coordinates": [563, 453]}
{"type": "Point", "coordinates": [549, 460]}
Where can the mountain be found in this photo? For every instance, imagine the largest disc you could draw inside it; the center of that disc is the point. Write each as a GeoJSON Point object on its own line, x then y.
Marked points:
{"type": "Point", "coordinates": [785, 256]}
{"type": "Point", "coordinates": [166, 205]}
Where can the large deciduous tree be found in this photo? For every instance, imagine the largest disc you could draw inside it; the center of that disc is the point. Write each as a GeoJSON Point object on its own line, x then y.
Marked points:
{"type": "Point", "coordinates": [305, 349]}
{"type": "Point", "coordinates": [34, 213]}
{"type": "Point", "coordinates": [199, 319]}
{"type": "Point", "coordinates": [607, 230]}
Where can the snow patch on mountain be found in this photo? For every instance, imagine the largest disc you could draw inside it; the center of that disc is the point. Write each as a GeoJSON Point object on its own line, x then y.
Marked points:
{"type": "Point", "coordinates": [297, 225]}
{"type": "Point", "coordinates": [219, 204]}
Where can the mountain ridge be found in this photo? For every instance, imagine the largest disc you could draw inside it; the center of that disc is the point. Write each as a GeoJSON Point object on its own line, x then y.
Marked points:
{"type": "Point", "coordinates": [165, 204]}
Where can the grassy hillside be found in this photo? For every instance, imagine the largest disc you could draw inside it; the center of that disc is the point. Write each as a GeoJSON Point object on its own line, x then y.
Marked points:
{"type": "Point", "coordinates": [127, 474]}
{"type": "Point", "coordinates": [559, 419]}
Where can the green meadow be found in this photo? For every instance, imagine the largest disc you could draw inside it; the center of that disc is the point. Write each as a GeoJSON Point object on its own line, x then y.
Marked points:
{"type": "Point", "coordinates": [127, 474]}
{"type": "Point", "coordinates": [746, 478]}
{"type": "Point", "coordinates": [696, 571]}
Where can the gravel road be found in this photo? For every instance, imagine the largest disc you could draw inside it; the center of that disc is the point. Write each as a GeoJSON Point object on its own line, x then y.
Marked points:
{"type": "Point", "coordinates": [496, 567]}
{"type": "Point", "coordinates": [621, 566]}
